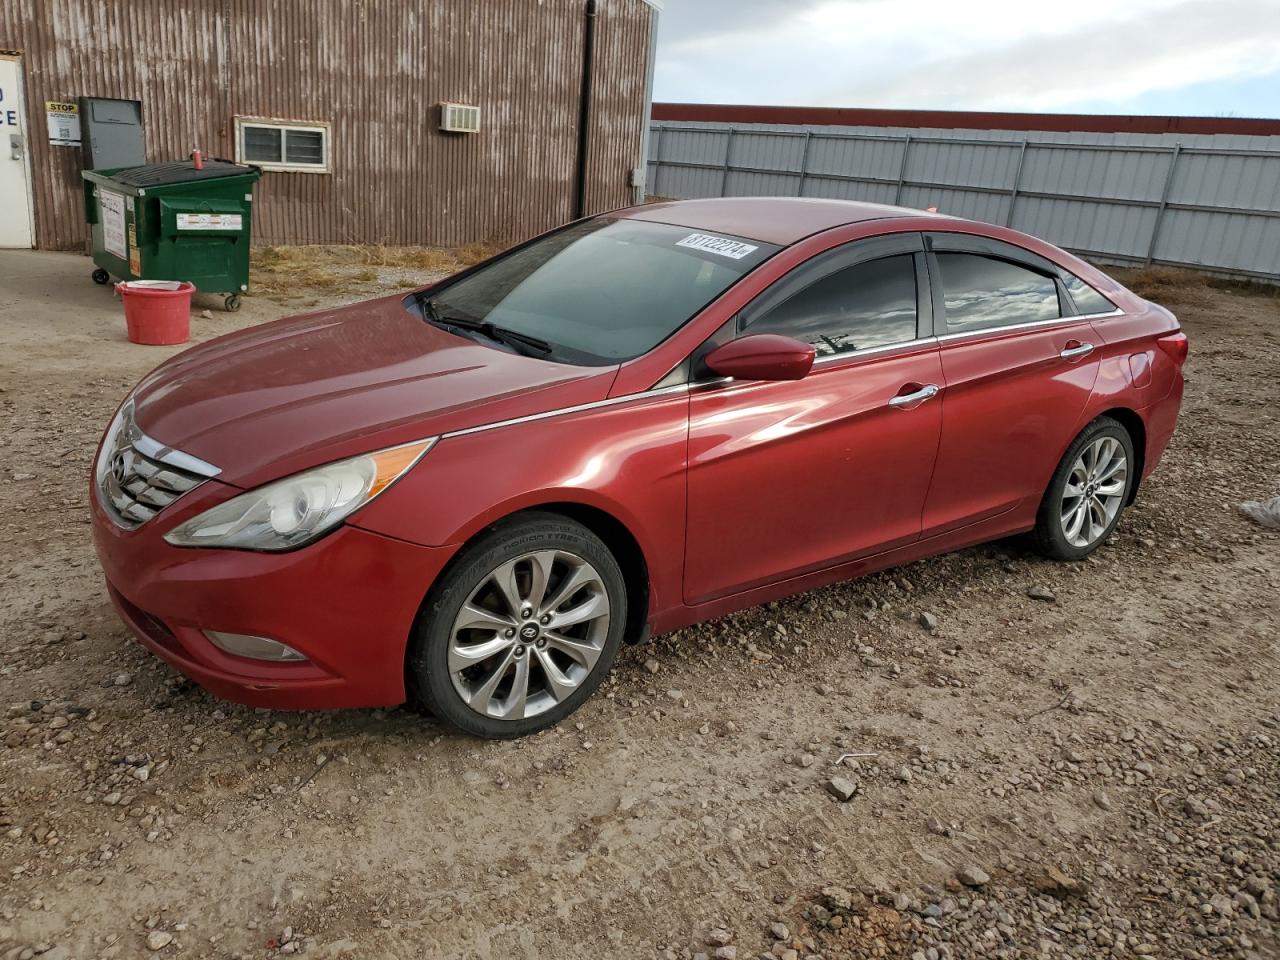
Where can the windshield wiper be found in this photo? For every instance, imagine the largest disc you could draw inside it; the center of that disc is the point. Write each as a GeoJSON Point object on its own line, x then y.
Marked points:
{"type": "Point", "coordinates": [512, 338]}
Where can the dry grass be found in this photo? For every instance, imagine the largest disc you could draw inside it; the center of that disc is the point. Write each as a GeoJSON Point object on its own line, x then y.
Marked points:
{"type": "Point", "coordinates": [294, 271]}
{"type": "Point", "coordinates": [1171, 284]}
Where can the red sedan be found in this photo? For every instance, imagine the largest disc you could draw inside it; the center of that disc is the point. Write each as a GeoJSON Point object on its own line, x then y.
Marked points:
{"type": "Point", "coordinates": [470, 496]}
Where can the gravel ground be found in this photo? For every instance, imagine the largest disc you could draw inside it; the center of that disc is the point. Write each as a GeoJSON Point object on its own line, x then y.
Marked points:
{"type": "Point", "coordinates": [1047, 760]}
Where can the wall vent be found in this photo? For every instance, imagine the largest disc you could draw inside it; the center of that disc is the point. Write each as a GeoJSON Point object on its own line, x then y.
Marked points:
{"type": "Point", "coordinates": [459, 118]}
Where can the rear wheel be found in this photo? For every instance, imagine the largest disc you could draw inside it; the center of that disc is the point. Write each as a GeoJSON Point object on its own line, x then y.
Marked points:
{"type": "Point", "coordinates": [1088, 492]}
{"type": "Point", "coordinates": [521, 629]}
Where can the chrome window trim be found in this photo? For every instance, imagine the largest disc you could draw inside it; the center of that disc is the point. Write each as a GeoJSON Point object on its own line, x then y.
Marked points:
{"type": "Point", "coordinates": [708, 384]}
{"type": "Point", "coordinates": [872, 351]}
{"type": "Point", "coordinates": [1029, 326]}
{"type": "Point", "coordinates": [1117, 312]}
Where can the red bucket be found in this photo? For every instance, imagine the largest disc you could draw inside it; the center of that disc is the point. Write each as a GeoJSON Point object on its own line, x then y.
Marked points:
{"type": "Point", "coordinates": [157, 312]}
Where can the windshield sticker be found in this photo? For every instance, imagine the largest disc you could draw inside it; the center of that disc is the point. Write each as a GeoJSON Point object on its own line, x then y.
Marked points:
{"type": "Point", "coordinates": [733, 249]}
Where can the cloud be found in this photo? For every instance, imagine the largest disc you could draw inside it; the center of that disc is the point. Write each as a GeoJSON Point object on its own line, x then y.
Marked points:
{"type": "Point", "coordinates": [1192, 42]}
{"type": "Point", "coordinates": [685, 24]}
{"type": "Point", "coordinates": [986, 54]}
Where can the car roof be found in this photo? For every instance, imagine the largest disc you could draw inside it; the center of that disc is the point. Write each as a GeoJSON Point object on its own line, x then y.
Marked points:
{"type": "Point", "coordinates": [778, 220]}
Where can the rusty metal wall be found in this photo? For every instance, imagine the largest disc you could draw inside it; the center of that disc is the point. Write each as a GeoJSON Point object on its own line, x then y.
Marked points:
{"type": "Point", "coordinates": [374, 70]}
{"type": "Point", "coordinates": [618, 120]}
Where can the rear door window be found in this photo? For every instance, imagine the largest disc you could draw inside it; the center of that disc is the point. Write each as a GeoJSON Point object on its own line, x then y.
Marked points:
{"type": "Point", "coordinates": [982, 293]}
{"type": "Point", "coordinates": [870, 304]}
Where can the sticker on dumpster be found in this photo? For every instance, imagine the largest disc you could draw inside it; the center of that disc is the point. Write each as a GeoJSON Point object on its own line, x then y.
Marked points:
{"type": "Point", "coordinates": [135, 255]}
{"type": "Point", "coordinates": [112, 207]}
{"type": "Point", "coordinates": [734, 249]}
{"type": "Point", "coordinates": [210, 221]}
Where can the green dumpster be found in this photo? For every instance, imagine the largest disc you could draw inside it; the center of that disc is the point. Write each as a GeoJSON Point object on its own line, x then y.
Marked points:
{"type": "Point", "coordinates": [173, 221]}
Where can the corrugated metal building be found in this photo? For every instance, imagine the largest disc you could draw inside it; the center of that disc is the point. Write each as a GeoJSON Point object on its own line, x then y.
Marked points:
{"type": "Point", "coordinates": [339, 101]}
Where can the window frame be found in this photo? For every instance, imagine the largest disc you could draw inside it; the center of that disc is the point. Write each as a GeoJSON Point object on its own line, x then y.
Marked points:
{"type": "Point", "coordinates": [818, 267]}
{"type": "Point", "coordinates": [836, 260]}
{"type": "Point", "coordinates": [321, 127]}
{"type": "Point", "coordinates": [1066, 296]}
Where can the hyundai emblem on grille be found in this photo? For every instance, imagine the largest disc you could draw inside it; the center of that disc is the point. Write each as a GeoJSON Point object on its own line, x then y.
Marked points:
{"type": "Point", "coordinates": [143, 476]}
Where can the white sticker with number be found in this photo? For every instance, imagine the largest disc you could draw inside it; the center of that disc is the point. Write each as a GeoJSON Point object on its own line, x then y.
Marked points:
{"type": "Point", "coordinates": [210, 221]}
{"type": "Point", "coordinates": [722, 246]}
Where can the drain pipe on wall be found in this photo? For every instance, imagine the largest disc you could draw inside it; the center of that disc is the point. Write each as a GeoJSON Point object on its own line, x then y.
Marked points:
{"type": "Point", "coordinates": [584, 111]}
{"type": "Point", "coordinates": [640, 176]}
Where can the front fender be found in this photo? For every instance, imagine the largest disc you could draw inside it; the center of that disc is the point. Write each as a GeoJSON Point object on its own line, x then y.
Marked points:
{"type": "Point", "coordinates": [627, 459]}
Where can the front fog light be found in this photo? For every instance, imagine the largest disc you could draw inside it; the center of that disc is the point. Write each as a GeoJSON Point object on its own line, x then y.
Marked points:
{"type": "Point", "coordinates": [255, 648]}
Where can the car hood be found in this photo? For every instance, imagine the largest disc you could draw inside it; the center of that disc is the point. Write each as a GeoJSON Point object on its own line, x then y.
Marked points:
{"type": "Point", "coordinates": [273, 399]}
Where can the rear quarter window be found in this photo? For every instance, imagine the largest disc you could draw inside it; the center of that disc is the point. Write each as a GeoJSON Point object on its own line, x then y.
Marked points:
{"type": "Point", "coordinates": [1088, 301]}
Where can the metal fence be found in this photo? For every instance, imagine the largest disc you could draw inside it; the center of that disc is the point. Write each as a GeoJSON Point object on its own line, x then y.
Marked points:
{"type": "Point", "coordinates": [1211, 203]}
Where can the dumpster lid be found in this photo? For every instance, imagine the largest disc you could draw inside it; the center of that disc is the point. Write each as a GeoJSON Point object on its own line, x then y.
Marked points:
{"type": "Point", "coordinates": [179, 171]}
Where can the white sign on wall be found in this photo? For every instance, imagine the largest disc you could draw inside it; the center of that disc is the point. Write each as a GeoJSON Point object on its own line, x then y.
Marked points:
{"type": "Point", "coordinates": [111, 206]}
{"type": "Point", "coordinates": [64, 123]}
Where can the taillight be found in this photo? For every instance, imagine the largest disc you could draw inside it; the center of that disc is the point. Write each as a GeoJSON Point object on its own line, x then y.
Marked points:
{"type": "Point", "coordinates": [1175, 345]}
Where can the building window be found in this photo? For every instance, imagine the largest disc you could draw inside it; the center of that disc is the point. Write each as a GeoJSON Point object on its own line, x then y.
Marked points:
{"type": "Point", "coordinates": [283, 145]}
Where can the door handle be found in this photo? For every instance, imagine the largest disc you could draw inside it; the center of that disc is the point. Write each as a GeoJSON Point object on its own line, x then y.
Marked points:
{"type": "Point", "coordinates": [909, 401]}
{"type": "Point", "coordinates": [1076, 352]}
{"type": "Point", "coordinates": [15, 146]}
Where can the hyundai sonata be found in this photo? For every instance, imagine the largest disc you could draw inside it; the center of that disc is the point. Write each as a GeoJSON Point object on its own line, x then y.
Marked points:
{"type": "Point", "coordinates": [470, 496]}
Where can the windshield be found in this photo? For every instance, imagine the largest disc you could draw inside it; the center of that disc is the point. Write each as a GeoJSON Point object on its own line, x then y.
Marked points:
{"type": "Point", "coordinates": [602, 291]}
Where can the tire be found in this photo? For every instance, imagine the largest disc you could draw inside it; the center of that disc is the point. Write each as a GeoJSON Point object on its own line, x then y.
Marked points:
{"type": "Point", "coordinates": [232, 303]}
{"type": "Point", "coordinates": [470, 676]}
{"type": "Point", "coordinates": [100, 277]}
{"type": "Point", "coordinates": [1100, 463]}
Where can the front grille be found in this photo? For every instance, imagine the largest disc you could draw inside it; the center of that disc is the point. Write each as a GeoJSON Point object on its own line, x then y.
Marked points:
{"type": "Point", "coordinates": [138, 476]}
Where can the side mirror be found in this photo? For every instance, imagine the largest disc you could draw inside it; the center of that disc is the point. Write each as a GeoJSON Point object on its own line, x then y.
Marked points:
{"type": "Point", "coordinates": [762, 356]}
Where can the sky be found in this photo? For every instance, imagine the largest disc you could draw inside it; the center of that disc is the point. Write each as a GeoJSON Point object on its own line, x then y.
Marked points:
{"type": "Point", "coordinates": [1196, 57]}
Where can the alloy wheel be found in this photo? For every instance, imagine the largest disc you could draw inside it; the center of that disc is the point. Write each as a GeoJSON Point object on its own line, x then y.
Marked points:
{"type": "Point", "coordinates": [529, 634]}
{"type": "Point", "coordinates": [1094, 491]}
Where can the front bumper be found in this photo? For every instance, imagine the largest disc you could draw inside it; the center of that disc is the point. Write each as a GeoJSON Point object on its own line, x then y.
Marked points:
{"type": "Point", "coordinates": [347, 603]}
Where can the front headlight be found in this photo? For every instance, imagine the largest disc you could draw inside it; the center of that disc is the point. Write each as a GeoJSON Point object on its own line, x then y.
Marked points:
{"type": "Point", "coordinates": [292, 512]}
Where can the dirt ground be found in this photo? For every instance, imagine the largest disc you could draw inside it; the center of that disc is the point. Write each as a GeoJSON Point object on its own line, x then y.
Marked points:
{"type": "Point", "coordinates": [1096, 775]}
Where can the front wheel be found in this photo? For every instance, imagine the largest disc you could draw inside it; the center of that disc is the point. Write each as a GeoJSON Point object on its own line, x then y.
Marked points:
{"type": "Point", "coordinates": [1088, 492]}
{"type": "Point", "coordinates": [521, 629]}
